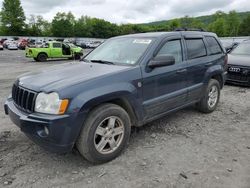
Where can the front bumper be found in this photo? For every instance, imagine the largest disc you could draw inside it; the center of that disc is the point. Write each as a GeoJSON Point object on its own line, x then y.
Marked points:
{"type": "Point", "coordinates": [28, 55]}
{"type": "Point", "coordinates": [239, 78]}
{"type": "Point", "coordinates": [56, 133]}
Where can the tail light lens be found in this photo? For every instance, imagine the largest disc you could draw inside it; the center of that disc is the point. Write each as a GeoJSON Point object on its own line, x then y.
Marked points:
{"type": "Point", "coordinates": [225, 62]}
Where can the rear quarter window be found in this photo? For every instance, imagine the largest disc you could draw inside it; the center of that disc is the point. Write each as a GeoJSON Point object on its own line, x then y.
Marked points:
{"type": "Point", "coordinates": [195, 48]}
{"type": "Point", "coordinates": [213, 45]}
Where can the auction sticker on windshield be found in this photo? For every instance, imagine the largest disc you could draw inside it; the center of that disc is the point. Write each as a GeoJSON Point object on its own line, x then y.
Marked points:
{"type": "Point", "coordinates": [142, 41]}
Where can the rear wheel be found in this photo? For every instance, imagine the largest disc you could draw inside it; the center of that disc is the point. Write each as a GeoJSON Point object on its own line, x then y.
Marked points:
{"type": "Point", "coordinates": [211, 98]}
{"type": "Point", "coordinates": [105, 133]}
{"type": "Point", "coordinates": [42, 57]}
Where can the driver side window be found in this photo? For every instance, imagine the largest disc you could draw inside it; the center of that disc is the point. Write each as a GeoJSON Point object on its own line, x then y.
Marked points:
{"type": "Point", "coordinates": [172, 48]}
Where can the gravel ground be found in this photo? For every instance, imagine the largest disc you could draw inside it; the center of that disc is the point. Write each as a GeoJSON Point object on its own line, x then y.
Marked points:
{"type": "Point", "coordinates": [186, 149]}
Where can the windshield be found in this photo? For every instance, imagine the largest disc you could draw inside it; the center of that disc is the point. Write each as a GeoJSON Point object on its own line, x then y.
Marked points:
{"type": "Point", "coordinates": [72, 45]}
{"type": "Point", "coordinates": [121, 50]}
{"type": "Point", "coordinates": [242, 49]}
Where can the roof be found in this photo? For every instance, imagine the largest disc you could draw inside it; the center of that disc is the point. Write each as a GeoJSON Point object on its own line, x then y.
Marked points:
{"type": "Point", "coordinates": [165, 34]}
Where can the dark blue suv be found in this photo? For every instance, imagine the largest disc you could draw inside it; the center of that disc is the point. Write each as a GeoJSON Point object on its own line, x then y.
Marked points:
{"type": "Point", "coordinates": [127, 81]}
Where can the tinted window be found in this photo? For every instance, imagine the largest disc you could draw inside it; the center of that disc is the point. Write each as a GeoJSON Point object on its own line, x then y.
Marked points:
{"type": "Point", "coordinates": [195, 48]}
{"type": "Point", "coordinates": [172, 48]}
{"type": "Point", "coordinates": [213, 45]}
{"type": "Point", "coordinates": [56, 45]}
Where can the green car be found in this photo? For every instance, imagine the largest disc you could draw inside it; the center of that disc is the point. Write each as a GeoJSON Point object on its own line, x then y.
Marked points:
{"type": "Point", "coordinates": [54, 49]}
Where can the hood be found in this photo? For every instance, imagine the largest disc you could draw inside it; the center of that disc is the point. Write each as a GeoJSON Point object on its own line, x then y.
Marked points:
{"type": "Point", "coordinates": [64, 75]}
{"type": "Point", "coordinates": [241, 60]}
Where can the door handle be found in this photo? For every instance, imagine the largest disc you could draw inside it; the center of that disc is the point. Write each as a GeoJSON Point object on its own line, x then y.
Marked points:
{"type": "Point", "coordinates": [208, 64]}
{"type": "Point", "coordinates": [181, 71]}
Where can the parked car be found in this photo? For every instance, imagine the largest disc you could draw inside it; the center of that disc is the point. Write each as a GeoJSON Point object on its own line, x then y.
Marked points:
{"type": "Point", "coordinates": [12, 46]}
{"type": "Point", "coordinates": [94, 44]}
{"type": "Point", "coordinates": [54, 49]}
{"type": "Point", "coordinates": [128, 81]}
{"type": "Point", "coordinates": [22, 43]}
{"type": "Point", "coordinates": [7, 42]}
{"type": "Point", "coordinates": [239, 65]}
{"type": "Point", "coordinates": [229, 45]}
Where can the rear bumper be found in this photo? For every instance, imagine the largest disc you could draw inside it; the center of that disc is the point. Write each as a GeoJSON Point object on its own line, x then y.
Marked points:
{"type": "Point", "coordinates": [56, 133]}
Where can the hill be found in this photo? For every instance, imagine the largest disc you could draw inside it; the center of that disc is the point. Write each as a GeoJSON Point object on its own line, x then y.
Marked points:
{"type": "Point", "coordinates": [204, 19]}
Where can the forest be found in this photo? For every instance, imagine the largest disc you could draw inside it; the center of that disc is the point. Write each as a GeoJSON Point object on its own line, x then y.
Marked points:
{"type": "Point", "coordinates": [13, 22]}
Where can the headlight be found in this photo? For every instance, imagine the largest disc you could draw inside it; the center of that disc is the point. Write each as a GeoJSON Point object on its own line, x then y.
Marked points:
{"type": "Point", "coordinates": [50, 103]}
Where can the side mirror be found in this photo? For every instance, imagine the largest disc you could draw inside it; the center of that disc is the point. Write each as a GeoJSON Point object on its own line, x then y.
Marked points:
{"type": "Point", "coordinates": [161, 61]}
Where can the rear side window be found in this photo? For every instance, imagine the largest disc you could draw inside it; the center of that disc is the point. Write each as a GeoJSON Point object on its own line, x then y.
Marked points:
{"type": "Point", "coordinates": [172, 48]}
{"type": "Point", "coordinates": [213, 45]}
{"type": "Point", "coordinates": [195, 48]}
{"type": "Point", "coordinates": [56, 45]}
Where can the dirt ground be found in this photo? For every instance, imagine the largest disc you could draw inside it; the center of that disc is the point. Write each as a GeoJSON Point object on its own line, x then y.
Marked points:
{"type": "Point", "coordinates": [186, 149]}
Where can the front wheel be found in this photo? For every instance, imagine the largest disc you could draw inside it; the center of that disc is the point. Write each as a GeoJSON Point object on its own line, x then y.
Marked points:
{"type": "Point", "coordinates": [105, 133]}
{"type": "Point", "coordinates": [211, 97]}
{"type": "Point", "coordinates": [77, 56]}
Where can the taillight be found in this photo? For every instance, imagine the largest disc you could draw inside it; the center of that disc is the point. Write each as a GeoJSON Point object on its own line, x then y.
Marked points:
{"type": "Point", "coordinates": [226, 61]}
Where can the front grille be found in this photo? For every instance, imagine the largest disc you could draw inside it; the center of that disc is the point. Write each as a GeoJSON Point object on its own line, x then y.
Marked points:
{"type": "Point", "coordinates": [23, 98]}
{"type": "Point", "coordinates": [238, 77]}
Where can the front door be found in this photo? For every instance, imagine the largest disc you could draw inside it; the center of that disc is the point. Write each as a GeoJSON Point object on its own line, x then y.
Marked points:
{"type": "Point", "coordinates": [164, 88]}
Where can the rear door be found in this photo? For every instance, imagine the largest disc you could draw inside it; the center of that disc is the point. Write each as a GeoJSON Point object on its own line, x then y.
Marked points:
{"type": "Point", "coordinates": [198, 62]}
{"type": "Point", "coordinates": [164, 88]}
{"type": "Point", "coordinates": [56, 50]}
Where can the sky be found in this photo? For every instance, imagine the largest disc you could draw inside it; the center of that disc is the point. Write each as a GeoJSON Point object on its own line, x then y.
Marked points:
{"type": "Point", "coordinates": [131, 11]}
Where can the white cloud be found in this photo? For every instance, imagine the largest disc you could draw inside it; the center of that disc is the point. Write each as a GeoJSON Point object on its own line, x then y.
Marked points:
{"type": "Point", "coordinates": [132, 11]}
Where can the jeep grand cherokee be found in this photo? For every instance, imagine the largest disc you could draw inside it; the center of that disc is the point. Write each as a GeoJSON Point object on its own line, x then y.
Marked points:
{"type": "Point", "coordinates": [127, 81]}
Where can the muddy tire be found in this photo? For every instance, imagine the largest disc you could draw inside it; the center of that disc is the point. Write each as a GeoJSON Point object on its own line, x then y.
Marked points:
{"type": "Point", "coordinates": [211, 98]}
{"type": "Point", "coordinates": [77, 56]}
{"type": "Point", "coordinates": [105, 133]}
{"type": "Point", "coordinates": [42, 57]}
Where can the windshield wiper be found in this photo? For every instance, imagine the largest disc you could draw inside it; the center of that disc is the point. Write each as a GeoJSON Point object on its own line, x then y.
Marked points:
{"type": "Point", "coordinates": [102, 61]}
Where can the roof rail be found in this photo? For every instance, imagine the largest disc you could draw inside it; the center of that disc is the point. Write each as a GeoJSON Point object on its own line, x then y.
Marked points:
{"type": "Point", "coordinates": [190, 29]}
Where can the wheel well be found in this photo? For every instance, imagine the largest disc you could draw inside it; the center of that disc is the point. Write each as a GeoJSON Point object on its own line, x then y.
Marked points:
{"type": "Point", "coordinates": [125, 105]}
{"type": "Point", "coordinates": [42, 53]}
{"type": "Point", "coordinates": [219, 79]}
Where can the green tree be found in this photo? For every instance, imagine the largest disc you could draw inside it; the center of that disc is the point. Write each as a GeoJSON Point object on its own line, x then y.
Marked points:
{"type": "Point", "coordinates": [33, 29]}
{"type": "Point", "coordinates": [186, 22]}
{"type": "Point", "coordinates": [218, 27]}
{"type": "Point", "coordinates": [103, 29]}
{"type": "Point", "coordinates": [63, 25]}
{"type": "Point", "coordinates": [232, 24]}
{"type": "Point", "coordinates": [245, 27]}
{"type": "Point", "coordinates": [83, 27]}
{"type": "Point", "coordinates": [38, 26]}
{"type": "Point", "coordinates": [174, 24]}
{"type": "Point", "coordinates": [13, 18]}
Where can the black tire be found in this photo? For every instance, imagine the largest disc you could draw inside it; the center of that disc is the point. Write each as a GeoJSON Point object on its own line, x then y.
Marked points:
{"type": "Point", "coordinates": [35, 59]}
{"type": "Point", "coordinates": [203, 105]}
{"type": "Point", "coordinates": [77, 56]}
{"type": "Point", "coordinates": [87, 138]}
{"type": "Point", "coordinates": [42, 57]}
